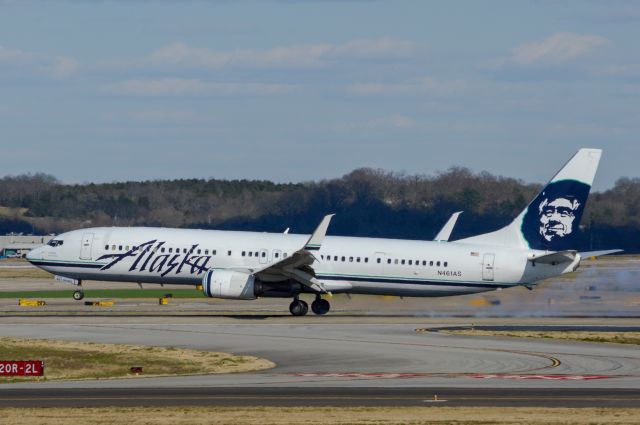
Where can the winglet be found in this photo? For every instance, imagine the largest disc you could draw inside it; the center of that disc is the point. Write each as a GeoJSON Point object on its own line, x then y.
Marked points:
{"type": "Point", "coordinates": [445, 232]}
{"type": "Point", "coordinates": [315, 241]}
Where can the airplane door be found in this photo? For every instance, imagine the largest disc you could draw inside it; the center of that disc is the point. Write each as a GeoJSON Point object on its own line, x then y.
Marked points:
{"type": "Point", "coordinates": [85, 248]}
{"type": "Point", "coordinates": [487, 266]}
{"type": "Point", "coordinates": [264, 256]}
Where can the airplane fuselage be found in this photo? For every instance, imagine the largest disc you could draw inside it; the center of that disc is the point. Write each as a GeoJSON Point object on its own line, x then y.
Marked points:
{"type": "Point", "coordinates": [343, 264]}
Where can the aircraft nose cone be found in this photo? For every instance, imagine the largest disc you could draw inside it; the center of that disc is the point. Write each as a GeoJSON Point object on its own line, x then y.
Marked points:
{"type": "Point", "coordinates": [33, 254]}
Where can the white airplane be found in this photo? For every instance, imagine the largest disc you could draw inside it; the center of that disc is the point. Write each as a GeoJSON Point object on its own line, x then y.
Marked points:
{"type": "Point", "coordinates": [538, 244]}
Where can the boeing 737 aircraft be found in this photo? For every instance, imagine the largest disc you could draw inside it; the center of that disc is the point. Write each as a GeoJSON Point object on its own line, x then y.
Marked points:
{"type": "Point", "coordinates": [538, 244]}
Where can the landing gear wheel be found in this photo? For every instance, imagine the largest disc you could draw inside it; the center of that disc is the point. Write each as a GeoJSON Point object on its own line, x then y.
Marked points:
{"type": "Point", "coordinates": [320, 306]}
{"type": "Point", "coordinates": [298, 308]}
{"type": "Point", "coordinates": [78, 295]}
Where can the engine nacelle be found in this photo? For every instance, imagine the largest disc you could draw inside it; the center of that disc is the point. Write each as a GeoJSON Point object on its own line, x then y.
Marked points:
{"type": "Point", "coordinates": [229, 284]}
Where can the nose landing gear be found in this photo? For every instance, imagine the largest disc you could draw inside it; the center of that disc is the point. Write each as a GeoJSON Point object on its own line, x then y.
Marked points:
{"type": "Point", "coordinates": [78, 295]}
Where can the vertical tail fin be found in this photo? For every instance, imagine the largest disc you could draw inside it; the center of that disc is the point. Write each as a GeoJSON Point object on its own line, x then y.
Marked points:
{"type": "Point", "coordinates": [550, 222]}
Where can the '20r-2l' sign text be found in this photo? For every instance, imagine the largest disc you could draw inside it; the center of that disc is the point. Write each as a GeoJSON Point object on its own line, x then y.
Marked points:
{"type": "Point", "coordinates": [21, 368]}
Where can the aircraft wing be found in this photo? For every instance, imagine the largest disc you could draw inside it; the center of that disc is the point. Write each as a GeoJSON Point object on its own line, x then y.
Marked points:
{"type": "Point", "coordinates": [444, 233]}
{"type": "Point", "coordinates": [298, 265]}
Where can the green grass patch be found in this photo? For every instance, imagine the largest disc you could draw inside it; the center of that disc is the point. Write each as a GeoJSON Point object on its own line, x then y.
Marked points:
{"type": "Point", "coordinates": [106, 293]}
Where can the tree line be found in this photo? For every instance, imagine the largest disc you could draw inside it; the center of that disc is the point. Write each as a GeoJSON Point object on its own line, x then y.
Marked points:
{"type": "Point", "coordinates": [368, 202]}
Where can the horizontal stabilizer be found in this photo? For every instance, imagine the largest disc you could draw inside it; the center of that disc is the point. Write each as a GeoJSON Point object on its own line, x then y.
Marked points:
{"type": "Point", "coordinates": [444, 233]}
{"type": "Point", "coordinates": [590, 254]}
{"type": "Point", "coordinates": [554, 258]}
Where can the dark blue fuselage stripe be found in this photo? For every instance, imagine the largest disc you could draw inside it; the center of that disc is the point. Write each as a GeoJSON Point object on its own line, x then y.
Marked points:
{"type": "Point", "coordinates": [56, 264]}
{"type": "Point", "coordinates": [410, 282]}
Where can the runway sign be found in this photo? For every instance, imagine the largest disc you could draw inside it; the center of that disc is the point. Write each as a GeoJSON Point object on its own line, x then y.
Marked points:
{"type": "Point", "coordinates": [21, 368]}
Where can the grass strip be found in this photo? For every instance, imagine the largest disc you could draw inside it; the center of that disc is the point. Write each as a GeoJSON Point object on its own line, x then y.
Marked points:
{"type": "Point", "coordinates": [319, 415]}
{"type": "Point", "coordinates": [86, 360]}
{"type": "Point", "coordinates": [586, 336]}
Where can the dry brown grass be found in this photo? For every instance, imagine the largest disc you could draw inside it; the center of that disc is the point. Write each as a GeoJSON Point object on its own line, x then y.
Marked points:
{"type": "Point", "coordinates": [23, 273]}
{"type": "Point", "coordinates": [85, 360]}
{"type": "Point", "coordinates": [610, 337]}
{"type": "Point", "coordinates": [319, 415]}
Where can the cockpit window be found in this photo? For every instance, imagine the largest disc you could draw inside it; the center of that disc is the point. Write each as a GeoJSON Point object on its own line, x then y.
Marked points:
{"type": "Point", "coordinates": [55, 242]}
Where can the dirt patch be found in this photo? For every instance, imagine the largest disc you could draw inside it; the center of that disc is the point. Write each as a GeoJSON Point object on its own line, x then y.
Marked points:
{"type": "Point", "coordinates": [85, 360]}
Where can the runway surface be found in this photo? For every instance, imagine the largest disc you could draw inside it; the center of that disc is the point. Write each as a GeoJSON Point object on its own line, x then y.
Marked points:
{"type": "Point", "coordinates": [344, 361]}
{"type": "Point", "coordinates": [330, 396]}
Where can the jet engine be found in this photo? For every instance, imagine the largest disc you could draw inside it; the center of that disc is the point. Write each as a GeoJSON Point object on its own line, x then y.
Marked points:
{"type": "Point", "coordinates": [229, 284]}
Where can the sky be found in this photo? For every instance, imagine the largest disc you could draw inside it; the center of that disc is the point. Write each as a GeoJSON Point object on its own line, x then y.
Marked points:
{"type": "Point", "coordinates": [299, 90]}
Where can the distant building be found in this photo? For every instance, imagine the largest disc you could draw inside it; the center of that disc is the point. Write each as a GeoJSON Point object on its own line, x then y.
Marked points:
{"type": "Point", "coordinates": [19, 246]}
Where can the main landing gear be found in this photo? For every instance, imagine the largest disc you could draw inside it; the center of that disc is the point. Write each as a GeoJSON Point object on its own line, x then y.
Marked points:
{"type": "Point", "coordinates": [299, 307]}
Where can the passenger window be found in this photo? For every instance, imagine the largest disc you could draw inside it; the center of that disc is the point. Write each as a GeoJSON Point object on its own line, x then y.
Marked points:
{"type": "Point", "coordinates": [379, 260]}
{"type": "Point", "coordinates": [106, 247]}
{"type": "Point", "coordinates": [276, 255]}
{"type": "Point", "coordinates": [229, 253]}
{"type": "Point", "coordinates": [264, 254]}
{"type": "Point", "coordinates": [424, 263]}
{"type": "Point", "coordinates": [120, 247]}
{"type": "Point", "coordinates": [126, 248]}
{"type": "Point", "coordinates": [366, 259]}
{"type": "Point", "coordinates": [395, 261]}
{"type": "Point", "coordinates": [446, 264]}
{"type": "Point", "coordinates": [214, 252]}
{"type": "Point", "coordinates": [438, 264]}
{"type": "Point", "coordinates": [199, 251]}
{"type": "Point", "coordinates": [244, 253]}
{"type": "Point", "coordinates": [431, 263]}
{"type": "Point", "coordinates": [162, 249]}
{"type": "Point", "coordinates": [388, 260]}
{"type": "Point", "coordinates": [357, 259]}
{"type": "Point", "coordinates": [206, 252]}
{"type": "Point", "coordinates": [170, 250]}
{"type": "Point", "coordinates": [351, 259]}
{"type": "Point", "coordinates": [343, 259]}
{"type": "Point", "coordinates": [257, 255]}
{"type": "Point", "coordinates": [402, 262]}
{"type": "Point", "coordinates": [284, 255]}
{"type": "Point", "coordinates": [184, 250]}
{"type": "Point", "coordinates": [411, 262]}
{"type": "Point", "coordinates": [113, 247]}
{"type": "Point", "coordinates": [335, 258]}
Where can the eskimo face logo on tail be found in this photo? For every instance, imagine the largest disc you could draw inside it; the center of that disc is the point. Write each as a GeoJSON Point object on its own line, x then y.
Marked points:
{"type": "Point", "coordinates": [552, 219]}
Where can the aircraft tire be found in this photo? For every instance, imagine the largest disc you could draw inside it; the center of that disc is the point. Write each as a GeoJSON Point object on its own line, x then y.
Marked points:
{"type": "Point", "coordinates": [320, 306]}
{"type": "Point", "coordinates": [298, 308]}
{"type": "Point", "coordinates": [78, 295]}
